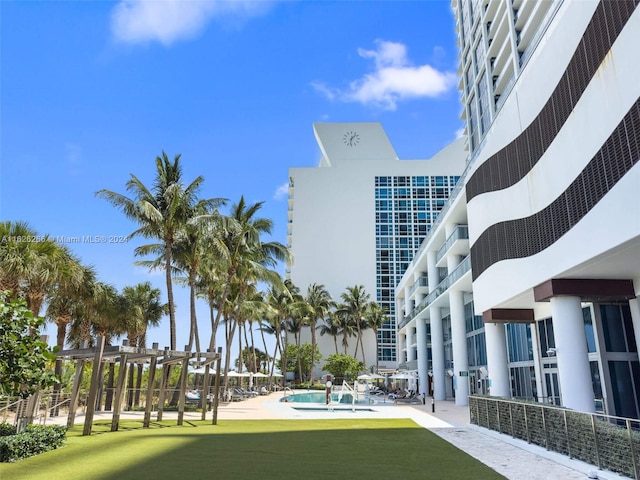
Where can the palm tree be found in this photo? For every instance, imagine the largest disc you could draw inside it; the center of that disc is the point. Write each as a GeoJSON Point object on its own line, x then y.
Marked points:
{"type": "Point", "coordinates": [345, 324]}
{"type": "Point", "coordinates": [375, 317]}
{"type": "Point", "coordinates": [355, 300]}
{"type": "Point", "coordinates": [160, 213]}
{"type": "Point", "coordinates": [319, 302]}
{"type": "Point", "coordinates": [247, 259]}
{"type": "Point", "coordinates": [331, 327]}
{"type": "Point", "coordinates": [29, 263]}
{"type": "Point", "coordinates": [64, 303]}
{"type": "Point", "coordinates": [279, 299]}
{"type": "Point", "coordinates": [143, 309]}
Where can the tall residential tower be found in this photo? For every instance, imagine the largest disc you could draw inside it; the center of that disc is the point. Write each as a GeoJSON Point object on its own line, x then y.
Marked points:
{"type": "Point", "coordinates": [360, 215]}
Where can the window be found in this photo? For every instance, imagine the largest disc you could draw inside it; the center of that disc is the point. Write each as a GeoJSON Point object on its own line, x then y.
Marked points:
{"type": "Point", "coordinates": [547, 340]}
{"type": "Point", "coordinates": [618, 328]}
{"type": "Point", "coordinates": [519, 342]}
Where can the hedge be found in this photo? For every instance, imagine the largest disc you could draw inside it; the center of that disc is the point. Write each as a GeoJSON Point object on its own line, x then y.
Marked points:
{"type": "Point", "coordinates": [37, 439]}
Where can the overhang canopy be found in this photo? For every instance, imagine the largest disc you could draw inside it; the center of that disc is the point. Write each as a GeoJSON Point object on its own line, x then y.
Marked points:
{"type": "Point", "coordinates": [508, 315]}
{"type": "Point", "coordinates": [588, 289]}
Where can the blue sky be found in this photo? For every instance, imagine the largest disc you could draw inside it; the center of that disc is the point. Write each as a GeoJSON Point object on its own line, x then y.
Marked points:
{"type": "Point", "coordinates": [92, 91]}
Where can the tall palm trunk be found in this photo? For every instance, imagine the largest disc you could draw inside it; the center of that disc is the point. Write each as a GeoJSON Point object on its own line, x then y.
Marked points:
{"type": "Point", "coordinates": [193, 330]}
{"type": "Point", "coordinates": [61, 322]}
{"type": "Point", "coordinates": [223, 300]}
{"type": "Point", "coordinates": [256, 367]}
{"type": "Point", "coordinates": [312, 325]}
{"type": "Point", "coordinates": [172, 315]}
{"type": "Point", "coordinates": [172, 307]}
{"type": "Point", "coordinates": [359, 339]}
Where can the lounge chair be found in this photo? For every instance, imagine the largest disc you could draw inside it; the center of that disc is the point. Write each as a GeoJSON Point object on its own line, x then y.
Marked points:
{"type": "Point", "coordinates": [412, 397]}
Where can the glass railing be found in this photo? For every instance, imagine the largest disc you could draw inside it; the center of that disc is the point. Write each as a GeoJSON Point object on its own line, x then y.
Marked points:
{"type": "Point", "coordinates": [421, 282]}
{"type": "Point", "coordinates": [460, 233]}
{"type": "Point", "coordinates": [443, 286]}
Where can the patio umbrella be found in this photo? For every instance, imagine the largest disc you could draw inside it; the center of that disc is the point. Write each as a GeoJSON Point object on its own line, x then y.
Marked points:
{"type": "Point", "coordinates": [376, 375]}
{"type": "Point", "coordinates": [260, 375]}
{"type": "Point", "coordinates": [364, 376]}
{"type": "Point", "coordinates": [201, 370]}
{"type": "Point", "coordinates": [402, 376]}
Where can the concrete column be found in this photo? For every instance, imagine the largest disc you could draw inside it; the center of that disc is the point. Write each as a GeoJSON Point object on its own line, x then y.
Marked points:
{"type": "Point", "coordinates": [452, 262]}
{"type": "Point", "coordinates": [437, 353]}
{"type": "Point", "coordinates": [432, 270]}
{"type": "Point", "coordinates": [459, 343]}
{"type": "Point", "coordinates": [634, 306]}
{"type": "Point", "coordinates": [423, 361]}
{"type": "Point", "coordinates": [497, 360]}
{"type": "Point", "coordinates": [407, 302]}
{"type": "Point", "coordinates": [574, 373]}
{"type": "Point", "coordinates": [401, 340]}
{"type": "Point", "coordinates": [411, 339]}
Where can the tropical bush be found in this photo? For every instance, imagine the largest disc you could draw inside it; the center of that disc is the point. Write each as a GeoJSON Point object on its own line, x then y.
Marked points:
{"type": "Point", "coordinates": [343, 366]}
{"type": "Point", "coordinates": [37, 439]}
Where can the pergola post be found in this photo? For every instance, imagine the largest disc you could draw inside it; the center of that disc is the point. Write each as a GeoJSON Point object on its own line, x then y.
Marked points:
{"type": "Point", "coordinates": [216, 390]}
{"type": "Point", "coordinates": [164, 380]}
{"type": "Point", "coordinates": [93, 388]}
{"type": "Point", "coordinates": [75, 393]}
{"type": "Point", "coordinates": [149, 402]}
{"type": "Point", "coordinates": [205, 391]}
{"type": "Point", "coordinates": [183, 387]}
{"type": "Point", "coordinates": [115, 420]}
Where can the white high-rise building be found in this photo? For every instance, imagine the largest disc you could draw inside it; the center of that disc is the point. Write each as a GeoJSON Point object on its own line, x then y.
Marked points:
{"type": "Point", "coordinates": [534, 266]}
{"type": "Point", "coordinates": [358, 218]}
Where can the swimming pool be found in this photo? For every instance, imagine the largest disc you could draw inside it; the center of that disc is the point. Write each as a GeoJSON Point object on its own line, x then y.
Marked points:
{"type": "Point", "coordinates": [319, 397]}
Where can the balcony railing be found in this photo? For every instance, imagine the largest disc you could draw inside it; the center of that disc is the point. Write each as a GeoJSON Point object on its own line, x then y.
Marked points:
{"type": "Point", "coordinates": [443, 286]}
{"type": "Point", "coordinates": [421, 282]}
{"type": "Point", "coordinates": [460, 233]}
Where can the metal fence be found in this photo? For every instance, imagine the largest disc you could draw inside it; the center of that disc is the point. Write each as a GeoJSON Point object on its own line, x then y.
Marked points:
{"type": "Point", "coordinates": [611, 443]}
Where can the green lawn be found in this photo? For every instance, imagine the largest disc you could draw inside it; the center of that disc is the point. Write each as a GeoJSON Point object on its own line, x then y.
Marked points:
{"type": "Point", "coordinates": [254, 449]}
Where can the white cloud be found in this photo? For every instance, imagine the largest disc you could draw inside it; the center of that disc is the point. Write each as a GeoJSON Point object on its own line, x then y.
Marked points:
{"type": "Point", "coordinates": [166, 21]}
{"type": "Point", "coordinates": [460, 133]}
{"type": "Point", "coordinates": [282, 192]}
{"type": "Point", "coordinates": [393, 79]}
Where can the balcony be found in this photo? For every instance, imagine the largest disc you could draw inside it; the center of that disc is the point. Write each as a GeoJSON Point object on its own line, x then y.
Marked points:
{"type": "Point", "coordinates": [421, 282]}
{"type": "Point", "coordinates": [457, 243]}
{"type": "Point", "coordinates": [443, 286]}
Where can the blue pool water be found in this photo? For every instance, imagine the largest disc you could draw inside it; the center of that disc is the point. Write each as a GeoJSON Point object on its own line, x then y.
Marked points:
{"type": "Point", "coordinates": [318, 397]}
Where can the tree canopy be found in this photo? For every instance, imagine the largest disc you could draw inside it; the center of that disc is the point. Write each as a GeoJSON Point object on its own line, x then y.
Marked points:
{"type": "Point", "coordinates": [24, 357]}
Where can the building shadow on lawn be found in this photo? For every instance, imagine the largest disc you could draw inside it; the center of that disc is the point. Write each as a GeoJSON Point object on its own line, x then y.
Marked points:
{"type": "Point", "coordinates": [266, 449]}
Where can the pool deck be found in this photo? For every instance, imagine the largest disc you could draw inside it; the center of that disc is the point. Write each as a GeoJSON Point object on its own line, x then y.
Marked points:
{"type": "Point", "coordinates": [514, 459]}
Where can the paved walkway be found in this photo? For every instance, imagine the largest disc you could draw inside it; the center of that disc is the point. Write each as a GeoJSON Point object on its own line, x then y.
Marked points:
{"type": "Point", "coordinates": [512, 458]}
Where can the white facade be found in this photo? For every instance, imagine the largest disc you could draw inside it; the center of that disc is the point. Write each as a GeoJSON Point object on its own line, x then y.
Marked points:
{"type": "Point", "coordinates": [551, 256]}
{"type": "Point", "coordinates": [337, 231]}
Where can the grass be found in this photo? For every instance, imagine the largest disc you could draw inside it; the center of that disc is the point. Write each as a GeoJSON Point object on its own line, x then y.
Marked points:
{"type": "Point", "coordinates": [257, 449]}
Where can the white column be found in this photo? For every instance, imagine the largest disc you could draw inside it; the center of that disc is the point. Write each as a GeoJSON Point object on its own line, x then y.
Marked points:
{"type": "Point", "coordinates": [437, 353]}
{"type": "Point", "coordinates": [423, 361]}
{"type": "Point", "coordinates": [407, 304]}
{"type": "Point", "coordinates": [497, 360]}
{"type": "Point", "coordinates": [459, 343]}
{"type": "Point", "coordinates": [432, 270]}
{"type": "Point", "coordinates": [634, 306]}
{"type": "Point", "coordinates": [411, 339]}
{"type": "Point", "coordinates": [574, 372]}
{"type": "Point", "coordinates": [399, 342]}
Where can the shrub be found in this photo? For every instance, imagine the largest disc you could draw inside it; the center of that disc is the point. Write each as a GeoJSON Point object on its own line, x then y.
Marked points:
{"type": "Point", "coordinates": [7, 429]}
{"type": "Point", "coordinates": [37, 439]}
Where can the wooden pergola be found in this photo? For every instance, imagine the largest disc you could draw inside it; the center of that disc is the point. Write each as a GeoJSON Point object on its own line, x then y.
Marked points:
{"type": "Point", "coordinates": [126, 355]}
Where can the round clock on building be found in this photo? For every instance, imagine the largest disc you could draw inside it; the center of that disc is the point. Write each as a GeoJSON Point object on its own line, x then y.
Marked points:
{"type": "Point", "coordinates": [351, 139]}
